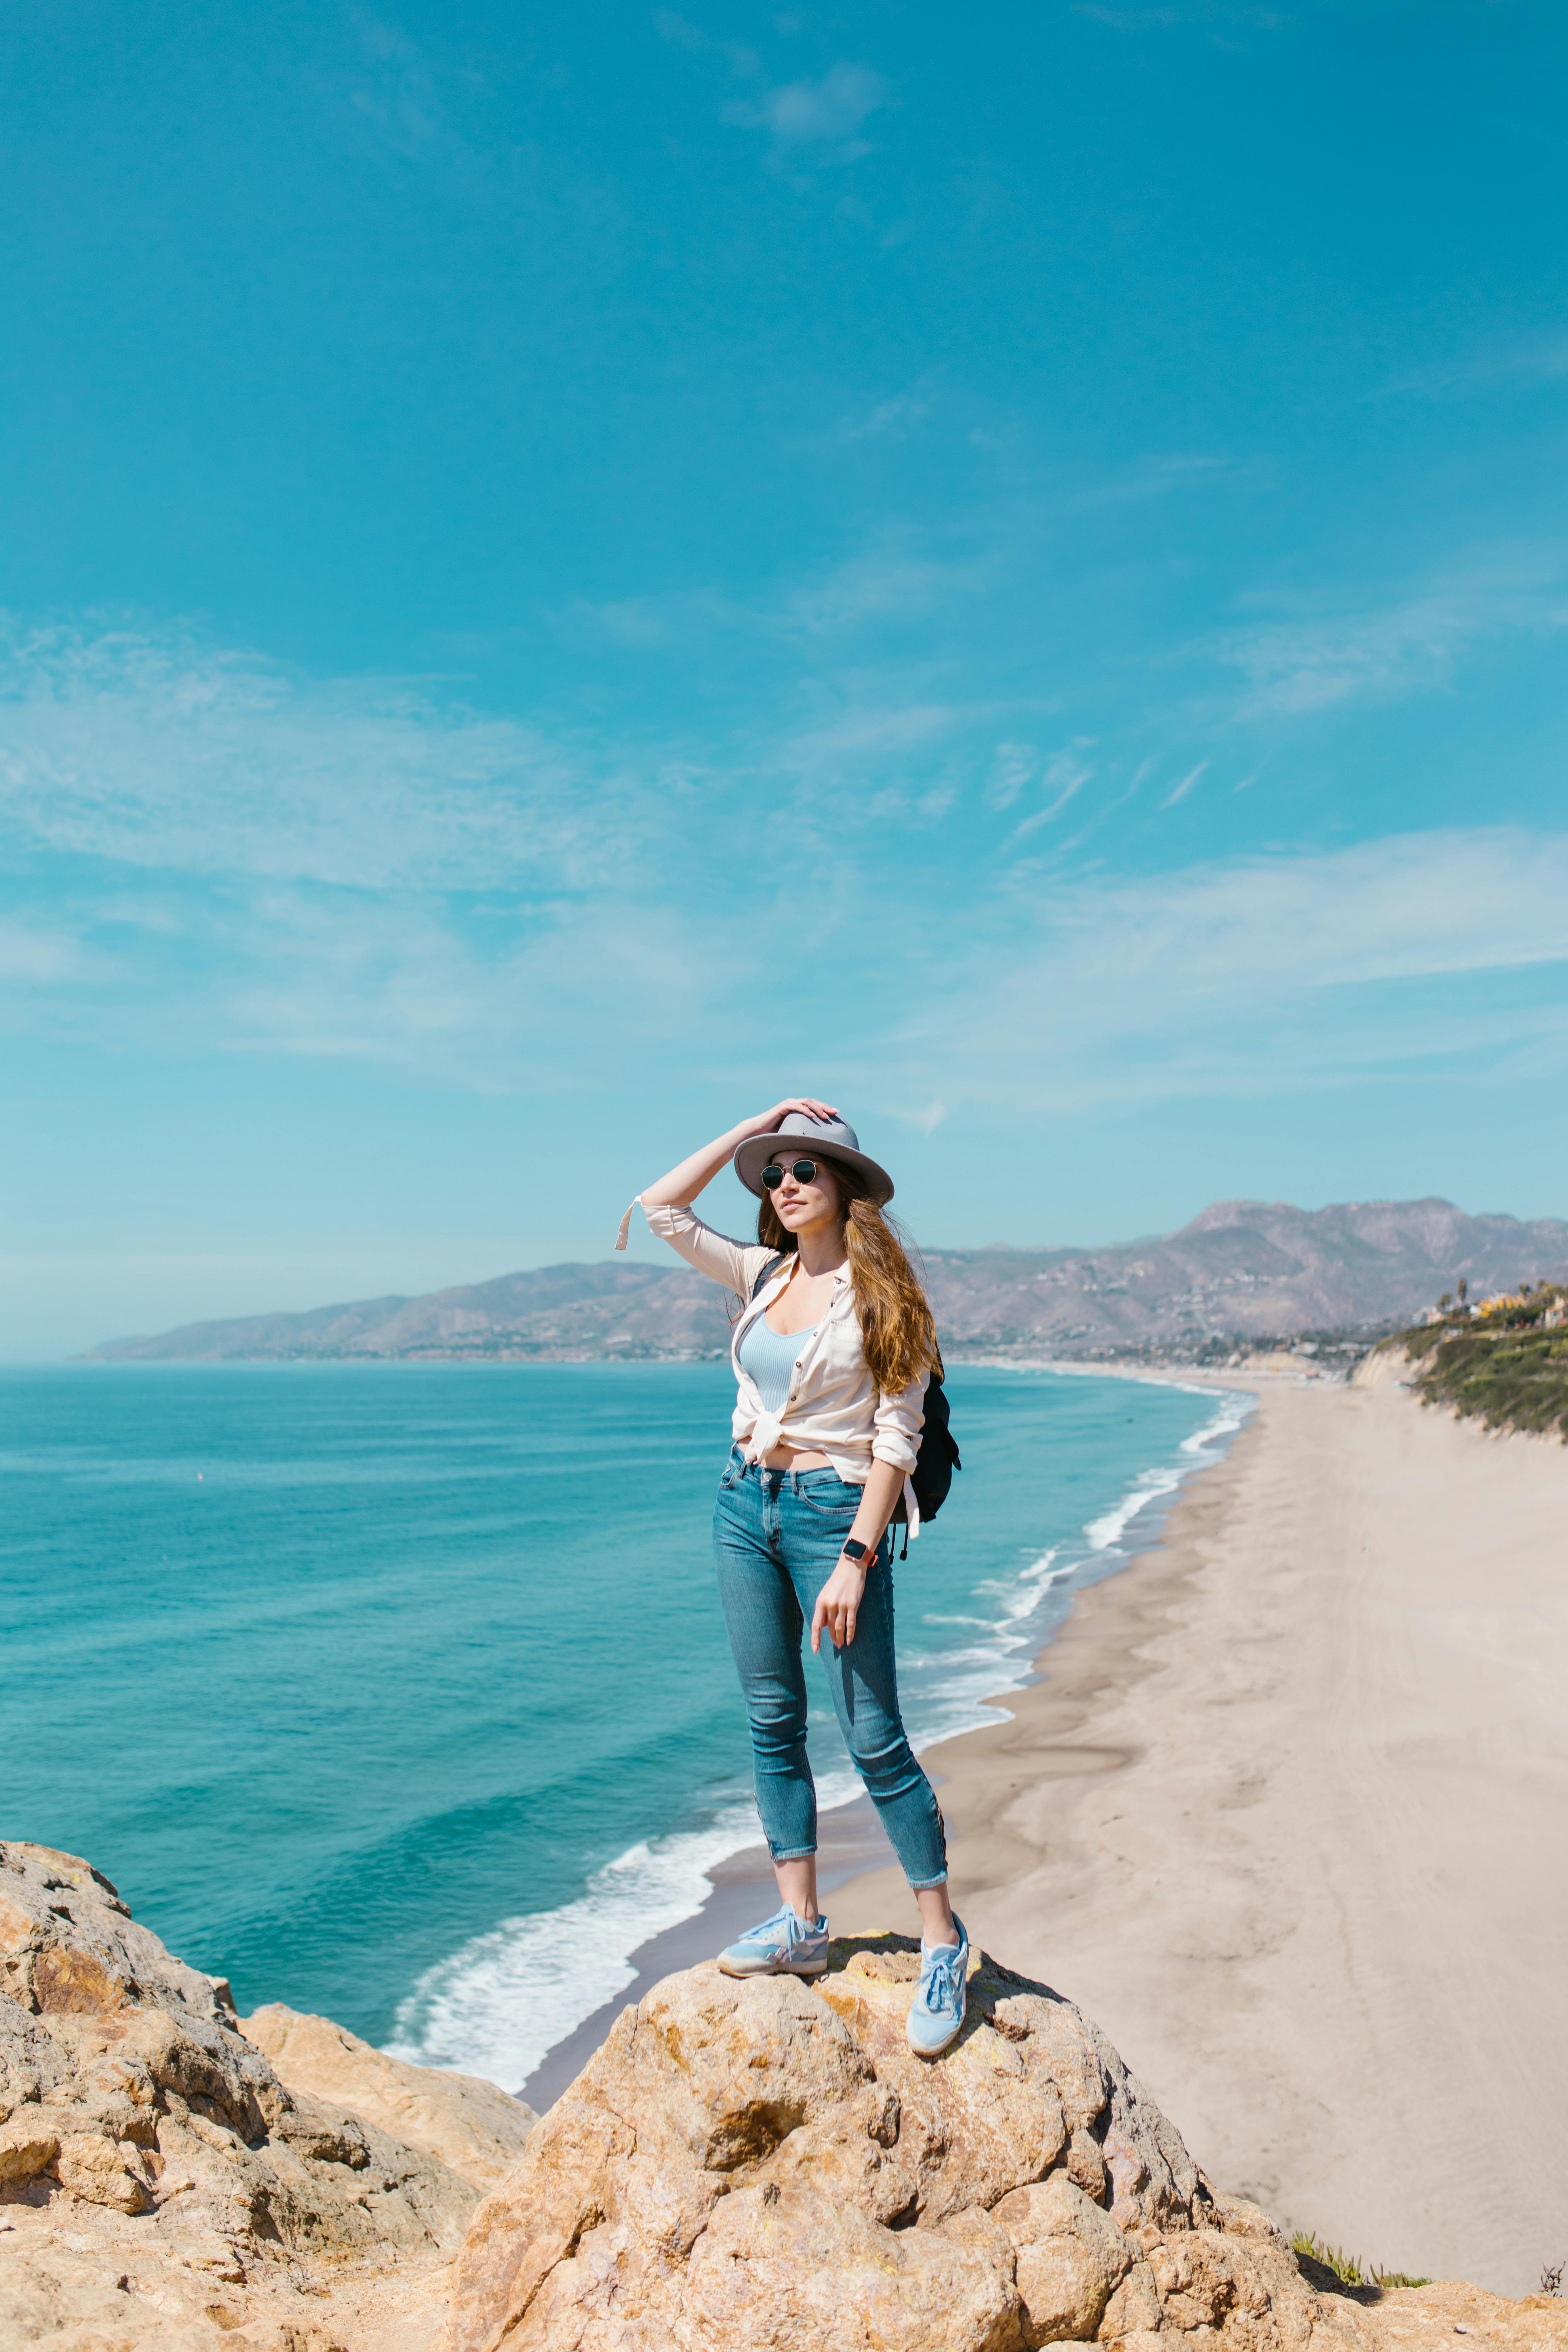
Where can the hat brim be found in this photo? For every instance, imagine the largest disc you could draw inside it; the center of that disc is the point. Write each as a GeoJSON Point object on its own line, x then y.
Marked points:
{"type": "Point", "coordinates": [754, 1155]}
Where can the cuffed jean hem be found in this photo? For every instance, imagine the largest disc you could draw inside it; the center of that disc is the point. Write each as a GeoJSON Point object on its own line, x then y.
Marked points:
{"type": "Point", "coordinates": [924, 1885]}
{"type": "Point", "coordinates": [795, 1853]}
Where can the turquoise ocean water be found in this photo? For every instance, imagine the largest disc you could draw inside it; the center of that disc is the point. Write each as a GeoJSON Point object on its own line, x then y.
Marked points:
{"type": "Point", "coordinates": [400, 1692]}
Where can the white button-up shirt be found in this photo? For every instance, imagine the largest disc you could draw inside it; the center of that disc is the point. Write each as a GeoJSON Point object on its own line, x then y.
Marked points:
{"type": "Point", "coordinates": [834, 1407]}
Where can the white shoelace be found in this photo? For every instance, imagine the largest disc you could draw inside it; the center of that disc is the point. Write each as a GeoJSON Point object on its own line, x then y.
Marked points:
{"type": "Point", "coordinates": [940, 1969]}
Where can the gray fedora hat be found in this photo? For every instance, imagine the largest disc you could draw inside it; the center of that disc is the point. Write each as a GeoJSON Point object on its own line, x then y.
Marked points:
{"type": "Point", "coordinates": [825, 1139]}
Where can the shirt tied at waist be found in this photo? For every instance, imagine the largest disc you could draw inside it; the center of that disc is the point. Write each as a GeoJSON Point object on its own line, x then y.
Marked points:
{"type": "Point", "coordinates": [765, 1433]}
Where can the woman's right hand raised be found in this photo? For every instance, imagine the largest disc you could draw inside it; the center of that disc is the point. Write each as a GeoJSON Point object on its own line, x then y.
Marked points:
{"type": "Point", "coordinates": [681, 1186]}
{"type": "Point", "coordinates": [767, 1122]}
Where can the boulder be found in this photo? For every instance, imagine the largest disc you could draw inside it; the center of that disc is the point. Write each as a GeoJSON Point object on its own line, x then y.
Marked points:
{"type": "Point", "coordinates": [128, 2084]}
{"type": "Point", "coordinates": [765, 2164]}
{"type": "Point", "coordinates": [155, 2168]}
{"type": "Point", "coordinates": [476, 2129]}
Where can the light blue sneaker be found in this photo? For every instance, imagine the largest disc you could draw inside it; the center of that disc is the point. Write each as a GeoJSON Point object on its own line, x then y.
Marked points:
{"type": "Point", "coordinates": [936, 2012]}
{"type": "Point", "coordinates": [783, 1946]}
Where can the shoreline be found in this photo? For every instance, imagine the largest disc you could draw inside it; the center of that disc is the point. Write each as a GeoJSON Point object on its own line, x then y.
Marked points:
{"type": "Point", "coordinates": [1281, 1811]}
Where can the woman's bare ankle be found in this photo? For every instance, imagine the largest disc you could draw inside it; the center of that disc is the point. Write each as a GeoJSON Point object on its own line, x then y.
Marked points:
{"type": "Point", "coordinates": [797, 1886]}
{"type": "Point", "coordinates": [937, 1922]}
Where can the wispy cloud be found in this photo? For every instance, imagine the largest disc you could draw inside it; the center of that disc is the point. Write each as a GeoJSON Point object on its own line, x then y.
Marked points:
{"type": "Point", "coordinates": [1067, 773]}
{"type": "Point", "coordinates": [869, 728]}
{"type": "Point", "coordinates": [888, 416]}
{"type": "Point", "coordinates": [1532, 360]}
{"type": "Point", "coordinates": [399, 980]}
{"type": "Point", "coordinates": [164, 752]}
{"type": "Point", "coordinates": [927, 1119]}
{"type": "Point", "coordinates": [1150, 478]}
{"type": "Point", "coordinates": [682, 34]}
{"type": "Point", "coordinates": [808, 120]}
{"type": "Point", "coordinates": [1179, 792]}
{"type": "Point", "coordinates": [668, 624]}
{"type": "Point", "coordinates": [239, 861]}
{"type": "Point", "coordinates": [39, 953]}
{"type": "Point", "coordinates": [825, 116]}
{"type": "Point", "coordinates": [898, 573]}
{"type": "Point", "coordinates": [371, 872]}
{"type": "Point", "coordinates": [1186, 983]}
{"type": "Point", "coordinates": [1305, 664]}
{"type": "Point", "coordinates": [1012, 765]}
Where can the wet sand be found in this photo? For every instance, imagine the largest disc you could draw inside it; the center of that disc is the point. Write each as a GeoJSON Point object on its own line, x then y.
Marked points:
{"type": "Point", "coordinates": [1287, 1814]}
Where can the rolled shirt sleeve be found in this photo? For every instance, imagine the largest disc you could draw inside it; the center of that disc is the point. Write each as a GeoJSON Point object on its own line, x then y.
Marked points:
{"type": "Point", "coordinates": [896, 1423]}
{"type": "Point", "coordinates": [734, 1264]}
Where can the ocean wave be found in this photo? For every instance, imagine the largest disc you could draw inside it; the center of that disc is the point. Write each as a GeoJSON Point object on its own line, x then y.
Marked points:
{"type": "Point", "coordinates": [1154, 1485]}
{"type": "Point", "coordinates": [500, 2003]}
{"type": "Point", "coordinates": [498, 2006]}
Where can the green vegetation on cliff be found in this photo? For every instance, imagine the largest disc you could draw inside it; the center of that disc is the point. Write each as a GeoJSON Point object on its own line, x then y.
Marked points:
{"type": "Point", "coordinates": [1330, 2270]}
{"type": "Point", "coordinates": [1506, 1363]}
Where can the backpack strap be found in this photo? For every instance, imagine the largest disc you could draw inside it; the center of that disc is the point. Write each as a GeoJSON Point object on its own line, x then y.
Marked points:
{"type": "Point", "coordinates": [768, 1271]}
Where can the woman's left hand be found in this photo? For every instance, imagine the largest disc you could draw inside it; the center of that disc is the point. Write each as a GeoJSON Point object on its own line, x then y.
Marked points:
{"type": "Point", "coordinates": [839, 1605]}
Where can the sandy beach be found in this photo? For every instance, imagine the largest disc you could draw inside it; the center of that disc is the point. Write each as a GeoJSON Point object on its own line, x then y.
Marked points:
{"type": "Point", "coordinates": [1285, 1815]}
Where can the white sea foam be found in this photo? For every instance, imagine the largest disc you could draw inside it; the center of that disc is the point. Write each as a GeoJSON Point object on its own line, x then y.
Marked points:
{"type": "Point", "coordinates": [499, 2005]}
{"type": "Point", "coordinates": [1154, 1486]}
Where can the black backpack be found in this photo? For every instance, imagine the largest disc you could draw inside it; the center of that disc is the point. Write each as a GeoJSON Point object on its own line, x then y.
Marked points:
{"type": "Point", "coordinates": [937, 1457]}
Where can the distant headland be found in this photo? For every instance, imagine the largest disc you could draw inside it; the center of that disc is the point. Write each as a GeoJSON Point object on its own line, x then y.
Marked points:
{"type": "Point", "coordinates": [1241, 1275]}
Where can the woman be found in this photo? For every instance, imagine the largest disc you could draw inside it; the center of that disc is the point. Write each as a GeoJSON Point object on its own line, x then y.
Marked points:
{"type": "Point", "coordinates": [832, 1352]}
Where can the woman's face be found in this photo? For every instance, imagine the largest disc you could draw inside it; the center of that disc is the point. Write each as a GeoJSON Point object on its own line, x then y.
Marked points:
{"type": "Point", "coordinates": [798, 1205]}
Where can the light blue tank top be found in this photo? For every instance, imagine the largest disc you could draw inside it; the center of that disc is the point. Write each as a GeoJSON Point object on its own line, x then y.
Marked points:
{"type": "Point", "coordinates": [769, 1357]}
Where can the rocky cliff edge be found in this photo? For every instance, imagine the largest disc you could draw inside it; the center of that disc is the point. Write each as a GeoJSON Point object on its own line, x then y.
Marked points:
{"type": "Point", "coordinates": [758, 2167]}
{"type": "Point", "coordinates": [170, 2179]}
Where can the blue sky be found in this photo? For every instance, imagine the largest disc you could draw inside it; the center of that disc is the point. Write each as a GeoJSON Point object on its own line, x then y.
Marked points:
{"type": "Point", "coordinates": [568, 572]}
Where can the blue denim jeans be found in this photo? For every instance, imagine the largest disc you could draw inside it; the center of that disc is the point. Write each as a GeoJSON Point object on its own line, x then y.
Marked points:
{"type": "Point", "coordinates": [777, 1534]}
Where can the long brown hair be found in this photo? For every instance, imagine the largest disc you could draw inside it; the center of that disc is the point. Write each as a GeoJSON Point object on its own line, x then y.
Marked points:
{"type": "Point", "coordinates": [898, 1335]}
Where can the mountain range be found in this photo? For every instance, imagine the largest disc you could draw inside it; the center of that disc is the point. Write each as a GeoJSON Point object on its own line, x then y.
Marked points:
{"type": "Point", "coordinates": [1243, 1271]}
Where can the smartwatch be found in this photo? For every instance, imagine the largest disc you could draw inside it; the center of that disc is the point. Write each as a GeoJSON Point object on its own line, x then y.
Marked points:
{"type": "Point", "coordinates": [861, 1554]}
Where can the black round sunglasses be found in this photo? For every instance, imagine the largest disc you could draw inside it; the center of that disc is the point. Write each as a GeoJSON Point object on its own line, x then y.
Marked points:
{"type": "Point", "coordinates": [803, 1170]}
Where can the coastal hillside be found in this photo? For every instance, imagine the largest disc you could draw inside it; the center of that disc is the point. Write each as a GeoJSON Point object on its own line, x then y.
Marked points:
{"type": "Point", "coordinates": [1503, 1362]}
{"type": "Point", "coordinates": [1242, 1271]}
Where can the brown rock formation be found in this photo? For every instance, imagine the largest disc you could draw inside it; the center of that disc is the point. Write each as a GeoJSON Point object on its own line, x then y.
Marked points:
{"type": "Point", "coordinates": [159, 2184]}
{"type": "Point", "coordinates": [476, 2130]}
{"type": "Point", "coordinates": [765, 2164]}
{"type": "Point", "coordinates": [742, 2167]}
